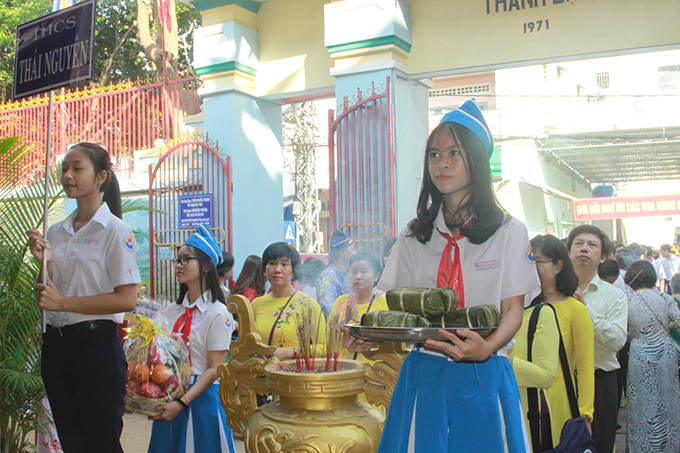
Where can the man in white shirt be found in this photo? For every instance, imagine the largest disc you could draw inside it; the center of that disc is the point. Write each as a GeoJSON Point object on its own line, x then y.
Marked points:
{"type": "Point", "coordinates": [660, 274]}
{"type": "Point", "coordinates": [670, 264]}
{"type": "Point", "coordinates": [607, 306]}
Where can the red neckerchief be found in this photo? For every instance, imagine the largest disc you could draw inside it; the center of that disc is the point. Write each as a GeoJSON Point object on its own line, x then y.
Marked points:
{"type": "Point", "coordinates": [187, 318]}
{"type": "Point", "coordinates": [450, 273]}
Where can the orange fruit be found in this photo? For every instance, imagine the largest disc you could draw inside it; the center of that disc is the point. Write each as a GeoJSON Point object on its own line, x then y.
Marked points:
{"type": "Point", "coordinates": [132, 369]}
{"type": "Point", "coordinates": [142, 374]}
{"type": "Point", "coordinates": [160, 374]}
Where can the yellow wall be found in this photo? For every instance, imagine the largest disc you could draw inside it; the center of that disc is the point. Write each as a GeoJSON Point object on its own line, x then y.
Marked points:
{"type": "Point", "coordinates": [293, 56]}
{"type": "Point", "coordinates": [459, 34]}
{"type": "Point", "coordinates": [450, 35]}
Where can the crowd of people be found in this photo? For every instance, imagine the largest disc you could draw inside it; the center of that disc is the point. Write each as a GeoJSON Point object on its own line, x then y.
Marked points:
{"type": "Point", "coordinates": [579, 300]}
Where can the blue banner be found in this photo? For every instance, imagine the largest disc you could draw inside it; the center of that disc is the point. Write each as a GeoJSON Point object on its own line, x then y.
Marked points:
{"type": "Point", "coordinates": [195, 210]}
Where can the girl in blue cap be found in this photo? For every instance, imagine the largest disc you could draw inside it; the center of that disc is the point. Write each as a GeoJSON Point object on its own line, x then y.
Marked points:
{"type": "Point", "coordinates": [196, 422]}
{"type": "Point", "coordinates": [460, 395]}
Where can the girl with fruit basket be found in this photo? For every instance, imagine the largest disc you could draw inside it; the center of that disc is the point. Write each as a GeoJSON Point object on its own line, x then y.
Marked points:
{"type": "Point", "coordinates": [92, 280]}
{"type": "Point", "coordinates": [196, 422]}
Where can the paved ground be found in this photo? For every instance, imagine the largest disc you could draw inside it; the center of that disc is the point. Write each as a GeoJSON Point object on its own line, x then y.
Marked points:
{"type": "Point", "coordinates": [622, 433]}
{"type": "Point", "coordinates": [137, 430]}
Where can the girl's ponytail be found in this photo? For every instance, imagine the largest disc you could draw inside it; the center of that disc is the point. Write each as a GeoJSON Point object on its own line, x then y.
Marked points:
{"type": "Point", "coordinates": [112, 196]}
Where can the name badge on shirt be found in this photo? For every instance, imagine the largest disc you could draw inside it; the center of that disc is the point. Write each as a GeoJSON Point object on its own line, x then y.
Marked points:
{"type": "Point", "coordinates": [198, 318]}
{"type": "Point", "coordinates": [91, 241]}
{"type": "Point", "coordinates": [486, 265]}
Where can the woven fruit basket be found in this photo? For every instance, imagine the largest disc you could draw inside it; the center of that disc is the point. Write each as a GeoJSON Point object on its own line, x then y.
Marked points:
{"type": "Point", "coordinates": [158, 367]}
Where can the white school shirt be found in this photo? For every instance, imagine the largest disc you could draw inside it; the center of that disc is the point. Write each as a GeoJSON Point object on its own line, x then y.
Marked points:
{"type": "Point", "coordinates": [94, 260]}
{"type": "Point", "coordinates": [608, 308]}
{"type": "Point", "coordinates": [211, 328]}
{"type": "Point", "coordinates": [500, 268]}
{"type": "Point", "coordinates": [671, 266]}
{"type": "Point", "coordinates": [660, 272]}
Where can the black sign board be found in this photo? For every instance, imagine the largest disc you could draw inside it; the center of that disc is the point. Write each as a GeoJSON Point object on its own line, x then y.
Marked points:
{"type": "Point", "coordinates": [55, 50]}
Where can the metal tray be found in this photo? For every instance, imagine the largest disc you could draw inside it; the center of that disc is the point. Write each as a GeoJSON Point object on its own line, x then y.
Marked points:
{"type": "Point", "coordinates": [409, 334]}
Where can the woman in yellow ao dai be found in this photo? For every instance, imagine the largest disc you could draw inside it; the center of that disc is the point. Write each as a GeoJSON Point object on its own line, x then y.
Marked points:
{"type": "Point", "coordinates": [364, 272]}
{"type": "Point", "coordinates": [277, 313]}
{"type": "Point", "coordinates": [558, 283]}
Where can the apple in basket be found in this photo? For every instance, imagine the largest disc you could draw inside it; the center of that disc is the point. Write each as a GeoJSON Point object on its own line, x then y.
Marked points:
{"type": "Point", "coordinates": [172, 384]}
{"type": "Point", "coordinates": [150, 390]}
{"type": "Point", "coordinates": [133, 386]}
{"type": "Point", "coordinates": [153, 357]}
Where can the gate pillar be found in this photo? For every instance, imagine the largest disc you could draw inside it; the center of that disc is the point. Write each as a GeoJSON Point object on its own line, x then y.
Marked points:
{"type": "Point", "coordinates": [248, 129]}
{"type": "Point", "coordinates": [370, 41]}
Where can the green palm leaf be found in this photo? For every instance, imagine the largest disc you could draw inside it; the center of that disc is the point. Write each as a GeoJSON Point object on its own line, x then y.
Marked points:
{"type": "Point", "coordinates": [21, 208]}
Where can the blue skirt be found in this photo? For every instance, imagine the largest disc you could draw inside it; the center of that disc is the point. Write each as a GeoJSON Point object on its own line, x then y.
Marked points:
{"type": "Point", "coordinates": [440, 405]}
{"type": "Point", "coordinates": [203, 429]}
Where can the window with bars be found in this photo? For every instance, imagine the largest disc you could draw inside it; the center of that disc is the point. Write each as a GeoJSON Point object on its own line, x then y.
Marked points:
{"type": "Point", "coordinates": [602, 79]}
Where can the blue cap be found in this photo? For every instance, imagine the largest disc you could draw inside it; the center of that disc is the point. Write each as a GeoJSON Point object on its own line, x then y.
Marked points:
{"type": "Point", "coordinates": [469, 116]}
{"type": "Point", "coordinates": [340, 240]}
{"type": "Point", "coordinates": [203, 240]}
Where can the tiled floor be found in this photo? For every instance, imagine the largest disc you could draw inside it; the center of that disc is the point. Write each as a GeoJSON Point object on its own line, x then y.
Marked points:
{"type": "Point", "coordinates": [137, 431]}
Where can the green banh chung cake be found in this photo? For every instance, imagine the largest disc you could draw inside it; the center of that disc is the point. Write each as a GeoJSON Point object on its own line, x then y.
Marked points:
{"type": "Point", "coordinates": [422, 301]}
{"type": "Point", "coordinates": [393, 319]}
{"type": "Point", "coordinates": [480, 316]}
{"type": "Point", "coordinates": [426, 307]}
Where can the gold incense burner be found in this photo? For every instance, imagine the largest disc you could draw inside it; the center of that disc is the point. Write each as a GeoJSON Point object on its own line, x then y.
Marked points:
{"type": "Point", "coordinates": [315, 412]}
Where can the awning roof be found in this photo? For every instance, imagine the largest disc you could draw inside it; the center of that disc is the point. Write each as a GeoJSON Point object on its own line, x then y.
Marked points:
{"type": "Point", "coordinates": [618, 155]}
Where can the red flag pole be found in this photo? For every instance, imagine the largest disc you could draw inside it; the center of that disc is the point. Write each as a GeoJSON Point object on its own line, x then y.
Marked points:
{"type": "Point", "coordinates": [48, 173]}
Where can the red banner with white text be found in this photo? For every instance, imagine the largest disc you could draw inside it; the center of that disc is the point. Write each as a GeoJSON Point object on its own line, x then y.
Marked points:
{"type": "Point", "coordinates": [621, 207]}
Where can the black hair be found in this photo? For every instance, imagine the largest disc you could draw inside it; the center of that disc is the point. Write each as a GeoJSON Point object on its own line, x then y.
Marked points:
{"type": "Point", "coordinates": [311, 269]}
{"type": "Point", "coordinates": [279, 250]}
{"type": "Point", "coordinates": [226, 265]}
{"type": "Point", "coordinates": [206, 267]}
{"type": "Point", "coordinates": [675, 283]}
{"type": "Point", "coordinates": [481, 201]}
{"type": "Point", "coordinates": [101, 161]}
{"type": "Point", "coordinates": [387, 248]}
{"type": "Point", "coordinates": [640, 274]}
{"type": "Point", "coordinates": [251, 276]}
{"type": "Point", "coordinates": [595, 231]}
{"type": "Point", "coordinates": [666, 247]}
{"type": "Point", "coordinates": [609, 268]}
{"type": "Point", "coordinates": [553, 249]}
{"type": "Point", "coordinates": [368, 257]}
{"type": "Point", "coordinates": [625, 257]}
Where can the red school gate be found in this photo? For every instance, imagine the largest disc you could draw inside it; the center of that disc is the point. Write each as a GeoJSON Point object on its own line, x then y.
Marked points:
{"type": "Point", "coordinates": [362, 160]}
{"type": "Point", "coordinates": [190, 185]}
